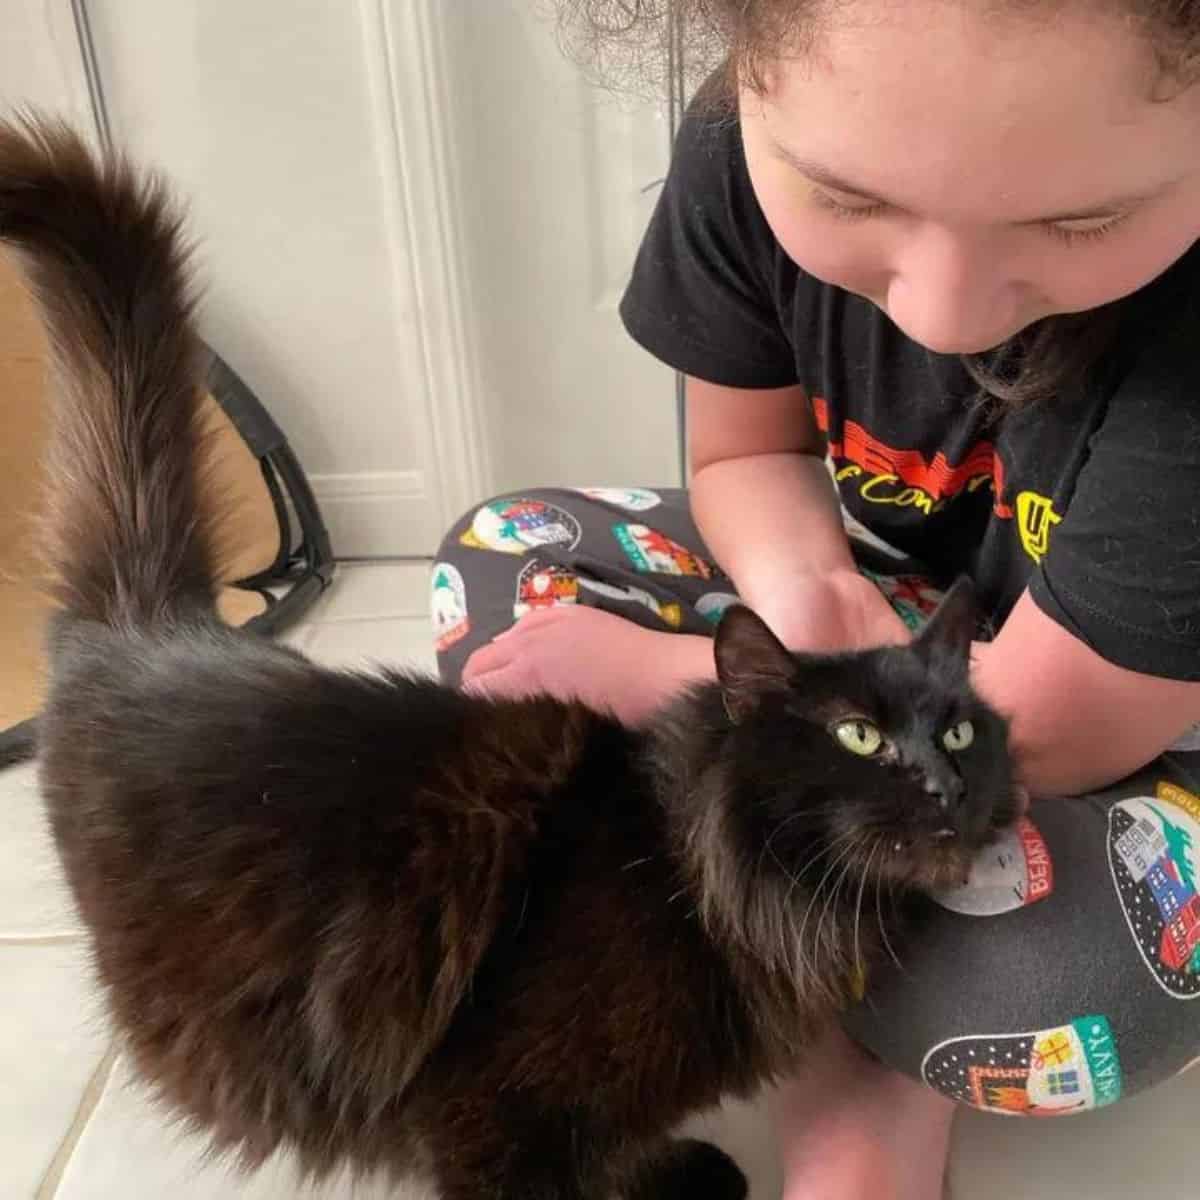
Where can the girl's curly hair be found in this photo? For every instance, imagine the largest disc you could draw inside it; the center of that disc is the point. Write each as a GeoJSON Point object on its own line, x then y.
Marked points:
{"type": "Point", "coordinates": [652, 44]}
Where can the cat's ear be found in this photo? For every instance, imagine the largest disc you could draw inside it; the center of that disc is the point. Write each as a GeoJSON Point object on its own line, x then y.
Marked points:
{"type": "Point", "coordinates": [751, 660]}
{"type": "Point", "coordinates": [946, 639]}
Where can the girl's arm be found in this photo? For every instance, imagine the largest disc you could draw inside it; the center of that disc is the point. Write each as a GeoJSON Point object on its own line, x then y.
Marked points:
{"type": "Point", "coordinates": [1078, 721]}
{"type": "Point", "coordinates": [766, 506]}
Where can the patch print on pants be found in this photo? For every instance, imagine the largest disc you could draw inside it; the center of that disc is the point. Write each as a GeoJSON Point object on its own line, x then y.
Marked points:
{"type": "Point", "coordinates": [712, 605]}
{"type": "Point", "coordinates": [1015, 870]}
{"type": "Point", "coordinates": [544, 585]}
{"type": "Point", "coordinates": [1047, 1073]}
{"type": "Point", "coordinates": [515, 525]}
{"type": "Point", "coordinates": [669, 613]}
{"type": "Point", "coordinates": [1153, 843]}
{"type": "Point", "coordinates": [913, 597]}
{"type": "Point", "coordinates": [654, 552]}
{"type": "Point", "coordinates": [448, 605]}
{"type": "Point", "coordinates": [633, 498]}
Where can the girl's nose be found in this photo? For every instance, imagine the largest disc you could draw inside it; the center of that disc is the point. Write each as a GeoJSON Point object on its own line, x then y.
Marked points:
{"type": "Point", "coordinates": [951, 294]}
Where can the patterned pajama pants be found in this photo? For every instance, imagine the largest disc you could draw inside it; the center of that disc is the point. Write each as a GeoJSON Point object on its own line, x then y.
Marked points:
{"type": "Point", "coordinates": [1064, 976]}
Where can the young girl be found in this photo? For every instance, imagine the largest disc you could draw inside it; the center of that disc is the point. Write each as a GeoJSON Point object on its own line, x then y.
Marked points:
{"type": "Point", "coordinates": [951, 247]}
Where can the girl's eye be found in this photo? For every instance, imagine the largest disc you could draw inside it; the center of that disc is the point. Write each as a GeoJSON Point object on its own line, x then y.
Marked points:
{"type": "Point", "coordinates": [958, 737]}
{"type": "Point", "coordinates": [1073, 232]}
{"type": "Point", "coordinates": [1085, 229]}
{"type": "Point", "coordinates": [859, 737]}
{"type": "Point", "coordinates": [845, 208]}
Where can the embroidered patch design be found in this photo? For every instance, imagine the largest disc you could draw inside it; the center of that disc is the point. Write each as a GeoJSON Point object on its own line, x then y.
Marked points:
{"type": "Point", "coordinates": [632, 498]}
{"type": "Point", "coordinates": [1045, 1073]}
{"type": "Point", "coordinates": [912, 596]}
{"type": "Point", "coordinates": [515, 525]}
{"type": "Point", "coordinates": [1153, 849]}
{"type": "Point", "coordinates": [1035, 519]}
{"type": "Point", "coordinates": [712, 605]}
{"type": "Point", "coordinates": [1012, 872]}
{"type": "Point", "coordinates": [651, 551]}
{"type": "Point", "coordinates": [670, 613]}
{"type": "Point", "coordinates": [544, 585]}
{"type": "Point", "coordinates": [448, 605]}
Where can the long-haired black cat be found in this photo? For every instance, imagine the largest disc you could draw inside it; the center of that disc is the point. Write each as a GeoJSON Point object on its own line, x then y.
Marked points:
{"type": "Point", "coordinates": [381, 923]}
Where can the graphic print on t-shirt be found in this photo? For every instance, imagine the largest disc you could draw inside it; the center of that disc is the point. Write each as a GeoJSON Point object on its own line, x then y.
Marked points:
{"type": "Point", "coordinates": [1153, 854]}
{"type": "Point", "coordinates": [883, 474]}
{"type": "Point", "coordinates": [1187, 742]}
{"type": "Point", "coordinates": [1035, 519]}
{"type": "Point", "coordinates": [904, 478]}
{"type": "Point", "coordinates": [856, 531]}
{"type": "Point", "coordinates": [1044, 1073]}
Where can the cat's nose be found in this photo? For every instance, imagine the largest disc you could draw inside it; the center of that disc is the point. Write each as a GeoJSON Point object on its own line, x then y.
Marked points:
{"type": "Point", "coordinates": [947, 795]}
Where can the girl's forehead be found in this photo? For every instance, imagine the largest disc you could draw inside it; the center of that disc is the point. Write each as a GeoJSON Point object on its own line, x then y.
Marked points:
{"type": "Point", "coordinates": [941, 106]}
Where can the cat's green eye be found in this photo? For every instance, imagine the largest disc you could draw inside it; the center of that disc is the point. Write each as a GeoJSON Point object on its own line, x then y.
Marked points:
{"type": "Point", "coordinates": [959, 737]}
{"type": "Point", "coordinates": [859, 737]}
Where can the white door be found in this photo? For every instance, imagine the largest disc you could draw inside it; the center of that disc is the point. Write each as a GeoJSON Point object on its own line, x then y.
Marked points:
{"type": "Point", "coordinates": [415, 221]}
{"type": "Point", "coordinates": [559, 180]}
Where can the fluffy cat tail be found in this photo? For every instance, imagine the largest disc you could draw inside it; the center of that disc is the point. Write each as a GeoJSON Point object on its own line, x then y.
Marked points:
{"type": "Point", "coordinates": [102, 248]}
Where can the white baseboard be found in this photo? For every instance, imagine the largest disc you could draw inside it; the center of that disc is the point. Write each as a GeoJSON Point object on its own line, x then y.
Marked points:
{"type": "Point", "coordinates": [379, 512]}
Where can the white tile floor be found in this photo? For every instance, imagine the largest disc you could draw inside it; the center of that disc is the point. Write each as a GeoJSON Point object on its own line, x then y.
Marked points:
{"type": "Point", "coordinates": [73, 1126]}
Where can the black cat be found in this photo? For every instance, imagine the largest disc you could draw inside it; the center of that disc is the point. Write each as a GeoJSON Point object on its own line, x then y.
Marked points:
{"type": "Point", "coordinates": [506, 944]}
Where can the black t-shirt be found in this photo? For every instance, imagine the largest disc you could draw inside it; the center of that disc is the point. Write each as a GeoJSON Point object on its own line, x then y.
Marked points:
{"type": "Point", "coordinates": [1092, 500]}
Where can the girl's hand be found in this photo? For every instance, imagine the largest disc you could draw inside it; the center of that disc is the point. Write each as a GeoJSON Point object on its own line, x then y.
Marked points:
{"type": "Point", "coordinates": [573, 652]}
{"type": "Point", "coordinates": [829, 612]}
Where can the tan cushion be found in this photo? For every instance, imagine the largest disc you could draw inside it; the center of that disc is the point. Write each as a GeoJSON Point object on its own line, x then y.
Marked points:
{"type": "Point", "coordinates": [232, 483]}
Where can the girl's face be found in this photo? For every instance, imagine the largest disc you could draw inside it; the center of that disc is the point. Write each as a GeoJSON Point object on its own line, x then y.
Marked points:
{"type": "Point", "coordinates": [973, 174]}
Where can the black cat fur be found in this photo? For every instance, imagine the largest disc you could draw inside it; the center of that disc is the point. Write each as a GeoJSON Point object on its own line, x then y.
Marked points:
{"type": "Point", "coordinates": [385, 925]}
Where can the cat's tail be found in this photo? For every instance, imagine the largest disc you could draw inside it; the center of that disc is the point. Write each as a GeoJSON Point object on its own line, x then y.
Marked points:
{"type": "Point", "coordinates": [103, 251]}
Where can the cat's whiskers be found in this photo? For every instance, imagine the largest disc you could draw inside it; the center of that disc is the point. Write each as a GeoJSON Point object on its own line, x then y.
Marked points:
{"type": "Point", "coordinates": [880, 841]}
{"type": "Point", "coordinates": [850, 838]}
{"type": "Point", "coordinates": [826, 935]}
{"type": "Point", "coordinates": [824, 850]}
{"type": "Point", "coordinates": [797, 875]}
{"type": "Point", "coordinates": [637, 862]}
{"type": "Point", "coordinates": [805, 963]}
{"type": "Point", "coordinates": [862, 886]}
{"type": "Point", "coordinates": [846, 842]}
{"type": "Point", "coordinates": [768, 848]}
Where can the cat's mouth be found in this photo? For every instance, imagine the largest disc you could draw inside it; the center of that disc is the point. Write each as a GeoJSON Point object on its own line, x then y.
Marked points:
{"type": "Point", "coordinates": [939, 855]}
{"type": "Point", "coordinates": [927, 861]}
